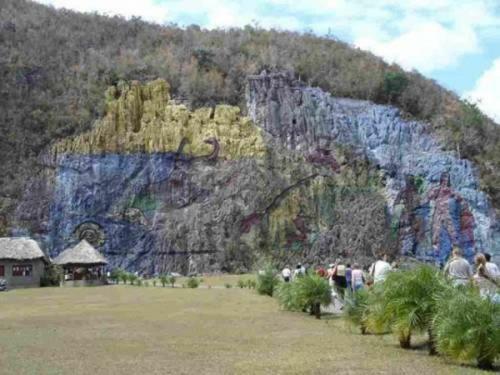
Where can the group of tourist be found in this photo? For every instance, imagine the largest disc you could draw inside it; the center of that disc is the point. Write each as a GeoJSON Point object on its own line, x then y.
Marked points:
{"type": "Point", "coordinates": [342, 276]}
{"type": "Point", "coordinates": [486, 277]}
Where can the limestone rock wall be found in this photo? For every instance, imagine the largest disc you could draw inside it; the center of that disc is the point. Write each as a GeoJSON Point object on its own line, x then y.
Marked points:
{"type": "Point", "coordinates": [141, 118]}
{"type": "Point", "coordinates": [157, 187]}
{"type": "Point", "coordinates": [433, 197]}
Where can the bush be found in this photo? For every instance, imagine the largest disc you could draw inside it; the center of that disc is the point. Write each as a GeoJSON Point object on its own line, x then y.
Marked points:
{"type": "Point", "coordinates": [251, 284]}
{"type": "Point", "coordinates": [124, 276]}
{"type": "Point", "coordinates": [228, 286]}
{"type": "Point", "coordinates": [312, 291]}
{"type": "Point", "coordinates": [467, 327]}
{"type": "Point", "coordinates": [154, 282]}
{"type": "Point", "coordinates": [410, 302]}
{"type": "Point", "coordinates": [193, 282]}
{"type": "Point", "coordinates": [132, 278]}
{"type": "Point", "coordinates": [241, 283]}
{"type": "Point", "coordinates": [116, 275]}
{"type": "Point", "coordinates": [356, 308]}
{"type": "Point", "coordinates": [288, 298]}
{"type": "Point", "coordinates": [52, 277]}
{"type": "Point", "coordinates": [267, 281]}
{"type": "Point", "coordinates": [164, 280]}
{"type": "Point", "coordinates": [139, 282]}
{"type": "Point", "coordinates": [172, 280]}
{"type": "Point", "coordinates": [394, 84]}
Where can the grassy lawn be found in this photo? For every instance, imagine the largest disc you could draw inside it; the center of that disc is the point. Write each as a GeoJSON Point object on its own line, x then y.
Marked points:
{"type": "Point", "coordinates": [132, 330]}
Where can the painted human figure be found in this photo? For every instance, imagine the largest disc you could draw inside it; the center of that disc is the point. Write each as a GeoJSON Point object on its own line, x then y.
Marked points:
{"type": "Point", "coordinates": [408, 226]}
{"type": "Point", "coordinates": [444, 197]}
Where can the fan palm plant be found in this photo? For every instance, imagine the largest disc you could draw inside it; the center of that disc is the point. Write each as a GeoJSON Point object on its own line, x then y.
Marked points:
{"type": "Point", "coordinates": [356, 308]}
{"type": "Point", "coordinates": [375, 315]}
{"type": "Point", "coordinates": [124, 276]}
{"type": "Point", "coordinates": [410, 301]}
{"type": "Point", "coordinates": [171, 280]}
{"type": "Point", "coordinates": [288, 298]}
{"type": "Point", "coordinates": [164, 280]}
{"type": "Point", "coordinates": [267, 281]}
{"type": "Point", "coordinates": [313, 291]}
{"type": "Point", "coordinates": [467, 327]}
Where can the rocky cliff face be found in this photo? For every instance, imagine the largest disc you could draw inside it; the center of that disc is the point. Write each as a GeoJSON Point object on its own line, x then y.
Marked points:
{"type": "Point", "coordinates": [433, 197]}
{"type": "Point", "coordinates": [158, 188]}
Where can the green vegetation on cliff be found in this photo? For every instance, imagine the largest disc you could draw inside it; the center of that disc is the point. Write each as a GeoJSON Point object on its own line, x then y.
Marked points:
{"type": "Point", "coordinates": [55, 65]}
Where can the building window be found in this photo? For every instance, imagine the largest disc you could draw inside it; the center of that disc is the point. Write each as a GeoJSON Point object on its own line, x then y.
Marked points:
{"type": "Point", "coordinates": [25, 270]}
{"type": "Point", "coordinates": [2, 271]}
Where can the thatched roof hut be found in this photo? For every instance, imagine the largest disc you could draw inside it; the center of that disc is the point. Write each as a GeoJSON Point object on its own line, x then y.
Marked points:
{"type": "Point", "coordinates": [82, 254]}
{"type": "Point", "coordinates": [20, 248]}
{"type": "Point", "coordinates": [22, 262]}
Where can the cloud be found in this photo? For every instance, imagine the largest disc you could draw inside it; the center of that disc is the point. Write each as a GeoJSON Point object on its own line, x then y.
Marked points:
{"type": "Point", "coordinates": [487, 91]}
{"type": "Point", "coordinates": [149, 10]}
{"type": "Point", "coordinates": [427, 47]}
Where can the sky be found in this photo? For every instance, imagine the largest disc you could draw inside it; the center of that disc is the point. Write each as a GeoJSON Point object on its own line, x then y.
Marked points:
{"type": "Point", "coordinates": [455, 42]}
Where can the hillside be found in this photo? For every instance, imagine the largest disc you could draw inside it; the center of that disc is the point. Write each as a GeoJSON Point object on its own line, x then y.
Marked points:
{"type": "Point", "coordinates": [55, 67]}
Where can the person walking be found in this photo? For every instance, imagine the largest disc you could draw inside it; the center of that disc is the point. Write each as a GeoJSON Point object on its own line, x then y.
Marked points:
{"type": "Point", "coordinates": [339, 278]}
{"type": "Point", "coordinates": [458, 269]}
{"type": "Point", "coordinates": [357, 278]}
{"type": "Point", "coordinates": [486, 283]}
{"type": "Point", "coordinates": [299, 271]}
{"type": "Point", "coordinates": [329, 275]}
{"type": "Point", "coordinates": [286, 273]}
{"type": "Point", "coordinates": [380, 269]}
{"type": "Point", "coordinates": [491, 267]}
{"type": "Point", "coordinates": [348, 277]}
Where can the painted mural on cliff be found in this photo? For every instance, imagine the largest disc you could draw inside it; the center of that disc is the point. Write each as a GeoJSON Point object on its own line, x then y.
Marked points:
{"type": "Point", "coordinates": [433, 197]}
{"type": "Point", "coordinates": [157, 187]}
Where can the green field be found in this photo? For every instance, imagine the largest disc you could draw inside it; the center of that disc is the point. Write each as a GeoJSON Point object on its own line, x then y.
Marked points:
{"type": "Point", "coordinates": [138, 330]}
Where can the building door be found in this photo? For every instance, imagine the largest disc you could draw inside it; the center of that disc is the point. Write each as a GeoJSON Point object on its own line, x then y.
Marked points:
{"type": "Point", "coordinates": [2, 271]}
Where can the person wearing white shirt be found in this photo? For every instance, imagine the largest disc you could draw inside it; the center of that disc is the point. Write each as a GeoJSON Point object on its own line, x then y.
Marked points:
{"type": "Point", "coordinates": [380, 269]}
{"type": "Point", "coordinates": [491, 267]}
{"type": "Point", "coordinates": [286, 274]}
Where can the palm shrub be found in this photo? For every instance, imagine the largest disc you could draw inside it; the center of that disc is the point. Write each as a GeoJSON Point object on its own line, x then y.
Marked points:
{"type": "Point", "coordinates": [356, 308]}
{"type": "Point", "coordinates": [124, 277]}
{"type": "Point", "coordinates": [52, 276]}
{"type": "Point", "coordinates": [251, 284]}
{"type": "Point", "coordinates": [467, 327]}
{"type": "Point", "coordinates": [193, 282]}
{"type": "Point", "coordinates": [410, 299]}
{"type": "Point", "coordinates": [313, 291]}
{"type": "Point", "coordinates": [116, 275]}
{"type": "Point", "coordinates": [375, 316]}
{"type": "Point", "coordinates": [288, 297]}
{"type": "Point", "coordinates": [172, 280]}
{"type": "Point", "coordinates": [267, 281]}
{"type": "Point", "coordinates": [241, 283]}
{"type": "Point", "coordinates": [132, 278]}
{"type": "Point", "coordinates": [164, 280]}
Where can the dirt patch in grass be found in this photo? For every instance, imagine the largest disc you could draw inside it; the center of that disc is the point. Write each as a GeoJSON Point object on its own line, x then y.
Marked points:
{"type": "Point", "coordinates": [132, 330]}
